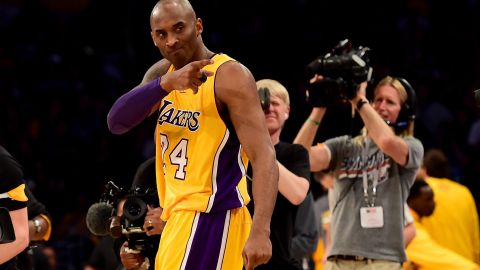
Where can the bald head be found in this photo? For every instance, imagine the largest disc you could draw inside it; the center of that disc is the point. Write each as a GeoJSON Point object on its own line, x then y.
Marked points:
{"type": "Point", "coordinates": [176, 32]}
{"type": "Point", "coordinates": [180, 5]}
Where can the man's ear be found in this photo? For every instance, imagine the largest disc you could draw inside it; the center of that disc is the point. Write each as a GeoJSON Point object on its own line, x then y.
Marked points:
{"type": "Point", "coordinates": [153, 39]}
{"type": "Point", "coordinates": [199, 26]}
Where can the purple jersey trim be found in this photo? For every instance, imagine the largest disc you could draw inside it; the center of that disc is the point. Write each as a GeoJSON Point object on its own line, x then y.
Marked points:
{"type": "Point", "coordinates": [229, 174]}
{"type": "Point", "coordinates": [209, 240]}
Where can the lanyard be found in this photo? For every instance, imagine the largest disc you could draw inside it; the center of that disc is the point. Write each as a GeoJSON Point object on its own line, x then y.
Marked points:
{"type": "Point", "coordinates": [369, 200]}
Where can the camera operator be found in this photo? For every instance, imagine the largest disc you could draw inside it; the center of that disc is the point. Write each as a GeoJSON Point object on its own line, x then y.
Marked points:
{"type": "Point", "coordinates": [294, 177]}
{"type": "Point", "coordinates": [13, 206]}
{"type": "Point", "coordinates": [153, 225]}
{"type": "Point", "coordinates": [373, 172]}
{"type": "Point", "coordinates": [130, 222]}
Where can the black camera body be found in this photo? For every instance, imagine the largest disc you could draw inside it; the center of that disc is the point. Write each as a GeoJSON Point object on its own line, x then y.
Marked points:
{"type": "Point", "coordinates": [102, 217]}
{"type": "Point", "coordinates": [343, 69]}
{"type": "Point", "coordinates": [264, 95]}
{"type": "Point", "coordinates": [134, 212]}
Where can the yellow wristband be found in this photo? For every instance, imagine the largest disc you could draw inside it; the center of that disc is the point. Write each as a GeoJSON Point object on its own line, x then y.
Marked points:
{"type": "Point", "coordinates": [316, 123]}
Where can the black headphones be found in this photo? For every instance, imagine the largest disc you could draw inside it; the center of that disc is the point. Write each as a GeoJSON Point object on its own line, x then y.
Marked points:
{"type": "Point", "coordinates": [407, 113]}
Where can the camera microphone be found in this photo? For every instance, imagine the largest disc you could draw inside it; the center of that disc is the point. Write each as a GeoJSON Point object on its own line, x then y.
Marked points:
{"type": "Point", "coordinates": [98, 218]}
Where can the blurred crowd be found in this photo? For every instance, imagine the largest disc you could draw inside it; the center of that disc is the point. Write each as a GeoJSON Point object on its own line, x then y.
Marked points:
{"type": "Point", "coordinates": [63, 63]}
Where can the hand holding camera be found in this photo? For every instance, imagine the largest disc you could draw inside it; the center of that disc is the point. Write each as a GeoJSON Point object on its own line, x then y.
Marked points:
{"type": "Point", "coordinates": [153, 224]}
{"type": "Point", "coordinates": [102, 216]}
{"type": "Point", "coordinates": [342, 71]}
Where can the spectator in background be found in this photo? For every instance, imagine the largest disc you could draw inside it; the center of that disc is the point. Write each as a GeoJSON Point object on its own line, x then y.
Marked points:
{"type": "Point", "coordinates": [454, 224]}
{"type": "Point", "coordinates": [14, 199]}
{"type": "Point", "coordinates": [305, 232]}
{"type": "Point", "coordinates": [324, 215]}
{"type": "Point", "coordinates": [294, 181]}
{"type": "Point", "coordinates": [423, 252]}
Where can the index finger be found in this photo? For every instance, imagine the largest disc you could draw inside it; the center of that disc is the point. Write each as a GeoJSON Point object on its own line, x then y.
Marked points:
{"type": "Point", "coordinates": [201, 63]}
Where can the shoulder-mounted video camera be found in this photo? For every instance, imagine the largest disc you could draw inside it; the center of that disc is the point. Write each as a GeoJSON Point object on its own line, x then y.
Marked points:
{"type": "Point", "coordinates": [343, 69]}
{"type": "Point", "coordinates": [102, 218]}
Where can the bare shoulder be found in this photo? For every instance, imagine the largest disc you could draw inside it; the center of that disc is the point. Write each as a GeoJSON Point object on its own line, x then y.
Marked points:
{"type": "Point", "coordinates": [156, 70]}
{"type": "Point", "coordinates": [233, 79]}
{"type": "Point", "coordinates": [235, 91]}
{"type": "Point", "coordinates": [234, 68]}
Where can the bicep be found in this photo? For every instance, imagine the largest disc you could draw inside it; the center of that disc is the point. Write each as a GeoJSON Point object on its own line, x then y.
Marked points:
{"type": "Point", "coordinates": [236, 89]}
{"type": "Point", "coordinates": [319, 157]}
{"type": "Point", "coordinates": [397, 149]}
{"type": "Point", "coordinates": [155, 71]}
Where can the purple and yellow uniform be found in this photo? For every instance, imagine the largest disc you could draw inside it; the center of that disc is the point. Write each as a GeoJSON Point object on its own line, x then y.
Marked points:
{"type": "Point", "coordinates": [201, 182]}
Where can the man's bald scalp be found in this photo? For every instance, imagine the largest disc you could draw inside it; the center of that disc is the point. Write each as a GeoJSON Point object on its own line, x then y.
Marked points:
{"type": "Point", "coordinates": [184, 3]}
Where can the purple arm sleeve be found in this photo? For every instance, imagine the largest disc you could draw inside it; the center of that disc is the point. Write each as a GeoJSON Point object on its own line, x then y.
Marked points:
{"type": "Point", "coordinates": [134, 106]}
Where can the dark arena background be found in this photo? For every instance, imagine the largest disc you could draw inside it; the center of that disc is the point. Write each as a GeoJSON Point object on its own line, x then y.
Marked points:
{"type": "Point", "coordinates": [63, 63]}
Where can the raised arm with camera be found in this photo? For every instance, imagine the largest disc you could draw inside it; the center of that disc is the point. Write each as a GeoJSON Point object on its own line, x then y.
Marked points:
{"type": "Point", "coordinates": [318, 155]}
{"type": "Point", "coordinates": [373, 171]}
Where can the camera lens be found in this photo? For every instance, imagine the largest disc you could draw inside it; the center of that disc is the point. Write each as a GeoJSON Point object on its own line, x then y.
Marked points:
{"type": "Point", "coordinates": [134, 209]}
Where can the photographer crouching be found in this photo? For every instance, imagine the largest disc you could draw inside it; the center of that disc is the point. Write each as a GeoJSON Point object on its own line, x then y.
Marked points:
{"type": "Point", "coordinates": [131, 217]}
{"type": "Point", "coordinates": [374, 170]}
{"type": "Point", "coordinates": [152, 224]}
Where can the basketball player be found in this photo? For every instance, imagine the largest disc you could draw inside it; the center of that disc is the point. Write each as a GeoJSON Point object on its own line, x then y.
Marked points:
{"type": "Point", "coordinates": [210, 124]}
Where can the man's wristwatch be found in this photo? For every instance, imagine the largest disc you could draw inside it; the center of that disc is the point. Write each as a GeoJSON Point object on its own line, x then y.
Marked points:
{"type": "Point", "coordinates": [38, 226]}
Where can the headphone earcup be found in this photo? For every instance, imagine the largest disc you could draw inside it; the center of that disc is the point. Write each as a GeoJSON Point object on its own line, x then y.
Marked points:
{"type": "Point", "coordinates": [409, 105]}
{"type": "Point", "coordinates": [407, 112]}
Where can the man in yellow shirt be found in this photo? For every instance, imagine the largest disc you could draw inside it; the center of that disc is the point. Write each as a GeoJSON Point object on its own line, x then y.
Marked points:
{"type": "Point", "coordinates": [423, 252]}
{"type": "Point", "coordinates": [454, 223]}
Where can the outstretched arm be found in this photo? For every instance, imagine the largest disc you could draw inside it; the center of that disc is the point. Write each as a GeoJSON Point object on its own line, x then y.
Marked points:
{"type": "Point", "coordinates": [236, 95]}
{"type": "Point", "coordinates": [318, 154]}
{"type": "Point", "coordinates": [134, 106]}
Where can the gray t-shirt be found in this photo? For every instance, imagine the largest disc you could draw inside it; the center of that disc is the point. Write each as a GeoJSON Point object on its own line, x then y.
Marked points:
{"type": "Point", "coordinates": [394, 181]}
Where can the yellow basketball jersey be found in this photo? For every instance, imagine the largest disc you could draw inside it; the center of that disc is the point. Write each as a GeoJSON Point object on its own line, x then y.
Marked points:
{"type": "Point", "coordinates": [200, 163]}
